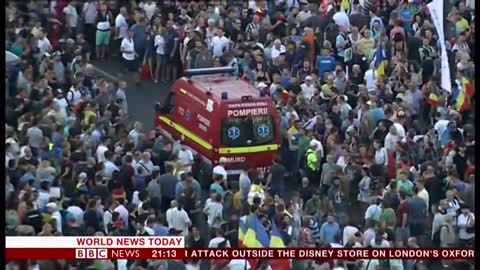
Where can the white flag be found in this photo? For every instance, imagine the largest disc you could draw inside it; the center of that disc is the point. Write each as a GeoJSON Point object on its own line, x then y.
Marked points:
{"type": "Point", "coordinates": [436, 11]}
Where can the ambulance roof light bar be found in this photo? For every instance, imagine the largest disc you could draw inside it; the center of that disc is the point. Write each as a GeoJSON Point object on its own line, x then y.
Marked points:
{"type": "Point", "coordinates": [208, 71]}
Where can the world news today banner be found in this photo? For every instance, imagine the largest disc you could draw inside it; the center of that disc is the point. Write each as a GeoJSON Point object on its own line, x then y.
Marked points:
{"type": "Point", "coordinates": [168, 248]}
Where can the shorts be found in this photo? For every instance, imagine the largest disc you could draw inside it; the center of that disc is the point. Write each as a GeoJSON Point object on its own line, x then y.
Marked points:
{"type": "Point", "coordinates": [130, 65]}
{"type": "Point", "coordinates": [161, 59]}
{"type": "Point", "coordinates": [102, 38]}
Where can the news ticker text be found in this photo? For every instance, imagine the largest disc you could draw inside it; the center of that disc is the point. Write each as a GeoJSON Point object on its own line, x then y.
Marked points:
{"type": "Point", "coordinates": [238, 253]}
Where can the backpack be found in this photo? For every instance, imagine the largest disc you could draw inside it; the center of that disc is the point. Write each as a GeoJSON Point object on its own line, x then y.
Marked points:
{"type": "Point", "coordinates": [436, 236]}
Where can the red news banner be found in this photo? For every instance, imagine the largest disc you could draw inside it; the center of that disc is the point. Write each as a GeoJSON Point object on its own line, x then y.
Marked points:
{"type": "Point", "coordinates": [42, 248]}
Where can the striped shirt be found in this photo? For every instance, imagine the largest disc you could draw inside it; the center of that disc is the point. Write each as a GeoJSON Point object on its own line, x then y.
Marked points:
{"type": "Point", "coordinates": [252, 27]}
{"type": "Point", "coordinates": [367, 4]}
{"type": "Point", "coordinates": [315, 230]}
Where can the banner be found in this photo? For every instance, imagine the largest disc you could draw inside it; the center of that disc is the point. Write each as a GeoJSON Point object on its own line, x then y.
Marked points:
{"type": "Point", "coordinates": [173, 248]}
{"type": "Point", "coordinates": [436, 11]}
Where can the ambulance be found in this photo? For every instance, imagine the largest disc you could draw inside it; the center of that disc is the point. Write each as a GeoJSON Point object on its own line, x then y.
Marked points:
{"type": "Point", "coordinates": [220, 115]}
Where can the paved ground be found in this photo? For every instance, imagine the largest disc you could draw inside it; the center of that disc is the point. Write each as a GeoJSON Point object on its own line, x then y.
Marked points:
{"type": "Point", "coordinates": [141, 99]}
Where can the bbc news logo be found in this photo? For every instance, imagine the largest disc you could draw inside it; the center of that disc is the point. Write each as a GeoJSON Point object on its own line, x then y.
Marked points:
{"type": "Point", "coordinates": [91, 253]}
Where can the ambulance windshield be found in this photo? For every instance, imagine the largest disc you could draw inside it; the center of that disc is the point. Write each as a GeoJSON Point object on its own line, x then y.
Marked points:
{"type": "Point", "coordinates": [248, 130]}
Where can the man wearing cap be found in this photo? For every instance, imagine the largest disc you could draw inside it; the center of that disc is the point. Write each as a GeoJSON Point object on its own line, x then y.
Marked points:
{"type": "Point", "coordinates": [55, 214]}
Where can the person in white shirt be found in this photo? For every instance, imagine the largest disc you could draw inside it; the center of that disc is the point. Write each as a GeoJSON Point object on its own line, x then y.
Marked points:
{"type": "Point", "coordinates": [128, 52]}
{"type": "Point", "coordinates": [146, 163]}
{"type": "Point", "coordinates": [71, 18]}
{"type": "Point", "coordinates": [220, 169]}
{"type": "Point", "coordinates": [219, 43]}
{"type": "Point", "coordinates": [149, 7]}
{"type": "Point", "coordinates": [159, 44]}
{"type": "Point", "coordinates": [108, 166]}
{"type": "Point", "coordinates": [422, 191]}
{"type": "Point", "coordinates": [348, 232]}
{"type": "Point", "coordinates": [53, 210]}
{"type": "Point", "coordinates": [101, 149]}
{"type": "Point", "coordinates": [466, 224]}
{"type": "Point", "coordinates": [43, 195]}
{"type": "Point", "coordinates": [319, 149]}
{"type": "Point", "coordinates": [277, 49]}
{"type": "Point", "coordinates": [122, 95]}
{"type": "Point", "coordinates": [136, 132]}
{"type": "Point", "coordinates": [305, 13]}
{"type": "Point", "coordinates": [89, 12]}
{"type": "Point", "coordinates": [77, 214]}
{"type": "Point", "coordinates": [345, 108]}
{"type": "Point", "coordinates": [391, 139]}
{"type": "Point", "coordinates": [177, 218]}
{"type": "Point", "coordinates": [381, 155]}
{"type": "Point", "coordinates": [43, 44]}
{"type": "Point", "coordinates": [239, 264]}
{"type": "Point", "coordinates": [341, 19]}
{"type": "Point", "coordinates": [185, 157]}
{"type": "Point", "coordinates": [121, 26]}
{"type": "Point", "coordinates": [308, 88]}
{"type": "Point", "coordinates": [219, 238]}
{"type": "Point", "coordinates": [214, 209]}
{"type": "Point", "coordinates": [61, 102]}
{"type": "Point", "coordinates": [107, 217]}
{"type": "Point", "coordinates": [371, 78]}
{"type": "Point", "coordinates": [122, 210]}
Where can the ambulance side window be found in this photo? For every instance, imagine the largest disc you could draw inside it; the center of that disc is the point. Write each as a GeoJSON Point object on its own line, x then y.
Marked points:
{"type": "Point", "coordinates": [170, 102]}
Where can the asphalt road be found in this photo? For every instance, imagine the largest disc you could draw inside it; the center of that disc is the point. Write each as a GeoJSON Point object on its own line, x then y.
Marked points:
{"type": "Point", "coordinates": [140, 98]}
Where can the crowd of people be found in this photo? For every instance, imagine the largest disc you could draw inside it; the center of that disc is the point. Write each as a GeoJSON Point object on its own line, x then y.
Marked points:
{"type": "Point", "coordinates": [372, 155]}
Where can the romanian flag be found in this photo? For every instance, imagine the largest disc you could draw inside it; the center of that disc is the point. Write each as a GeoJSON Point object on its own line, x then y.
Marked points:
{"type": "Point", "coordinates": [379, 63]}
{"type": "Point", "coordinates": [285, 95]}
{"type": "Point", "coordinates": [462, 102]}
{"type": "Point", "coordinates": [276, 241]}
{"type": "Point", "coordinates": [468, 87]}
{"type": "Point", "coordinates": [256, 236]}
{"type": "Point", "coordinates": [433, 99]}
{"type": "Point", "coordinates": [242, 230]}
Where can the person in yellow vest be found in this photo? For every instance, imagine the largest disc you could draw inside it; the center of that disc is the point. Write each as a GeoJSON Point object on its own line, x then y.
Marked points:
{"type": "Point", "coordinates": [312, 163]}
